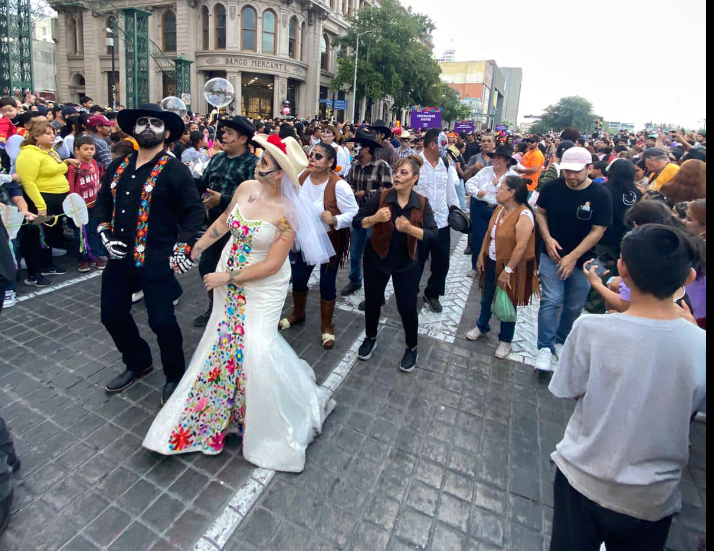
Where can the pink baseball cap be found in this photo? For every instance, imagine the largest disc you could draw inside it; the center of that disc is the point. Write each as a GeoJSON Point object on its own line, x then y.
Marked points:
{"type": "Point", "coordinates": [576, 159]}
{"type": "Point", "coordinates": [99, 120]}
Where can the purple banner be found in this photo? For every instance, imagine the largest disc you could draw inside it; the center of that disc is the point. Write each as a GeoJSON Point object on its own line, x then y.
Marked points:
{"type": "Point", "coordinates": [466, 126]}
{"type": "Point", "coordinates": [501, 128]}
{"type": "Point", "coordinates": [425, 119]}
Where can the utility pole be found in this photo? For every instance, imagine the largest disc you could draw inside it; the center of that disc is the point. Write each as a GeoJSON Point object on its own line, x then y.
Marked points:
{"type": "Point", "coordinates": [354, 88]}
{"type": "Point", "coordinates": [112, 79]}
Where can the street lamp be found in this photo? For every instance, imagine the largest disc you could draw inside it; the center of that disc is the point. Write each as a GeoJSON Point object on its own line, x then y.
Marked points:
{"type": "Point", "coordinates": [110, 44]}
{"type": "Point", "coordinates": [354, 89]}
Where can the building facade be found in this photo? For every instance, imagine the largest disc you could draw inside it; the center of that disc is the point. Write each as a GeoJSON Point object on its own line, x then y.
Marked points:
{"type": "Point", "coordinates": [44, 57]}
{"type": "Point", "coordinates": [514, 83]}
{"type": "Point", "coordinates": [271, 52]}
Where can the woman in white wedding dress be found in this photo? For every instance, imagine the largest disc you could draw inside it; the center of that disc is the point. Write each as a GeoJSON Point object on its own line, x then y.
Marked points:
{"type": "Point", "coordinates": [244, 378]}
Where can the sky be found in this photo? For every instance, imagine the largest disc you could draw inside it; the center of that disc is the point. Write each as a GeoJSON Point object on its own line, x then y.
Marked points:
{"type": "Point", "coordinates": [635, 61]}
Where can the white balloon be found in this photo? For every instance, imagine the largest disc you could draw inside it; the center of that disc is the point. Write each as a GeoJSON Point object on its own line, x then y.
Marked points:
{"type": "Point", "coordinates": [219, 92]}
{"type": "Point", "coordinates": [174, 105]}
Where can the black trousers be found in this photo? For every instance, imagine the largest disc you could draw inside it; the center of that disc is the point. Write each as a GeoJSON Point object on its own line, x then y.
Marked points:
{"type": "Point", "coordinates": [211, 257]}
{"type": "Point", "coordinates": [440, 252]}
{"type": "Point", "coordinates": [160, 287]}
{"type": "Point", "coordinates": [580, 524]}
{"type": "Point", "coordinates": [406, 289]}
{"type": "Point", "coordinates": [37, 257]}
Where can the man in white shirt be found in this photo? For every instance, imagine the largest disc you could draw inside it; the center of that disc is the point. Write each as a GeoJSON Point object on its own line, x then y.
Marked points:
{"type": "Point", "coordinates": [437, 183]}
{"type": "Point", "coordinates": [482, 188]}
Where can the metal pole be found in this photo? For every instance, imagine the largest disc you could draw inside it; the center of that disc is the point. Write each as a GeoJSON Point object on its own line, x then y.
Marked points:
{"type": "Point", "coordinates": [113, 80]}
{"type": "Point", "coordinates": [354, 89]}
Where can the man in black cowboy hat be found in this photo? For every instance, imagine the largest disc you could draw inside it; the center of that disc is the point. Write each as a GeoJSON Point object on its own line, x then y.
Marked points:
{"type": "Point", "coordinates": [387, 152]}
{"type": "Point", "coordinates": [226, 171]}
{"type": "Point", "coordinates": [150, 215]}
{"type": "Point", "coordinates": [367, 176]}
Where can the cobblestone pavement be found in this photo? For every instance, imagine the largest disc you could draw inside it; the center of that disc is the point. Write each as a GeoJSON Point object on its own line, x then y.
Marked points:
{"type": "Point", "coordinates": [453, 456]}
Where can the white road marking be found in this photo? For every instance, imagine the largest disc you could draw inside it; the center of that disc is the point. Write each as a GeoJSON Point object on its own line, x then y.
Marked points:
{"type": "Point", "coordinates": [58, 286]}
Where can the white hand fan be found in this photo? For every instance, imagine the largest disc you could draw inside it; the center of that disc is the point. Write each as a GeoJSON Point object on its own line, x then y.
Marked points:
{"type": "Point", "coordinates": [12, 219]}
{"type": "Point", "coordinates": [76, 209]}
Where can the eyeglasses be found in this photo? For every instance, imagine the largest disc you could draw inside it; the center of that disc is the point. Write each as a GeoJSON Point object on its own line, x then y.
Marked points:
{"type": "Point", "coordinates": [143, 122]}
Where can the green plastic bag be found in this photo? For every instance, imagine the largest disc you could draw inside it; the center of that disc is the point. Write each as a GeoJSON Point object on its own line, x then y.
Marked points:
{"type": "Point", "coordinates": [503, 307]}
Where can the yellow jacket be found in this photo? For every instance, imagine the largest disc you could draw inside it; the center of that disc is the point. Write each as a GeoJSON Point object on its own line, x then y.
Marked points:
{"type": "Point", "coordinates": [39, 173]}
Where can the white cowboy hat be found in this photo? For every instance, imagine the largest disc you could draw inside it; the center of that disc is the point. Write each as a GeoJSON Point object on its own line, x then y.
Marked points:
{"type": "Point", "coordinates": [287, 153]}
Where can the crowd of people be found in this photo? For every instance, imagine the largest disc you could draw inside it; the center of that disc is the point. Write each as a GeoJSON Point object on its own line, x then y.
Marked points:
{"type": "Point", "coordinates": [614, 226]}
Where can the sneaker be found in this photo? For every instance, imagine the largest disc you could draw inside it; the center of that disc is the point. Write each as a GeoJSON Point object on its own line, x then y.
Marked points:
{"type": "Point", "coordinates": [10, 299]}
{"type": "Point", "coordinates": [38, 281]}
{"type": "Point", "coordinates": [544, 361]}
{"type": "Point", "coordinates": [100, 263]}
{"type": "Point", "coordinates": [409, 360]}
{"type": "Point", "coordinates": [475, 334]}
{"type": "Point", "coordinates": [434, 305]}
{"type": "Point", "coordinates": [468, 251]}
{"type": "Point", "coordinates": [84, 267]}
{"type": "Point", "coordinates": [136, 298]}
{"type": "Point", "coordinates": [503, 350]}
{"type": "Point", "coordinates": [473, 274]}
{"type": "Point", "coordinates": [53, 271]}
{"type": "Point", "coordinates": [367, 349]}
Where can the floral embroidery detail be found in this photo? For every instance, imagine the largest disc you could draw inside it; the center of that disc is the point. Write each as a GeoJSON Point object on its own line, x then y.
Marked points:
{"type": "Point", "coordinates": [184, 248]}
{"type": "Point", "coordinates": [104, 226]}
{"type": "Point", "coordinates": [216, 403]}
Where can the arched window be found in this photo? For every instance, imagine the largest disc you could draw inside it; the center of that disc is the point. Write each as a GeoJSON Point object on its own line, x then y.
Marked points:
{"type": "Point", "coordinates": [71, 36]}
{"type": "Point", "coordinates": [112, 24]}
{"type": "Point", "coordinates": [205, 26]}
{"type": "Point", "coordinates": [324, 53]}
{"type": "Point", "coordinates": [269, 31]}
{"type": "Point", "coordinates": [293, 38]}
{"type": "Point", "coordinates": [219, 15]}
{"type": "Point", "coordinates": [249, 22]}
{"type": "Point", "coordinates": [303, 32]}
{"type": "Point", "coordinates": [169, 21]}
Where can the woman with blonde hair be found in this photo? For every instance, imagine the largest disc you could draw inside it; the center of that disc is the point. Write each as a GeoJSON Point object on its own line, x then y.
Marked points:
{"type": "Point", "coordinates": [44, 182]}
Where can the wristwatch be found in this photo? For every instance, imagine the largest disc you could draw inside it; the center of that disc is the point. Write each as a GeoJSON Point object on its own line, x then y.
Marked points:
{"type": "Point", "coordinates": [508, 270]}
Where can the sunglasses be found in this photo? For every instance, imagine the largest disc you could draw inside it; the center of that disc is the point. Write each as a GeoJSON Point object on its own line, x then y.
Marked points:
{"type": "Point", "coordinates": [317, 156]}
{"type": "Point", "coordinates": [143, 122]}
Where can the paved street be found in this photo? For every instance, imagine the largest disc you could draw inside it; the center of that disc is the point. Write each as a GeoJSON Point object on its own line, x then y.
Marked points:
{"type": "Point", "coordinates": [454, 456]}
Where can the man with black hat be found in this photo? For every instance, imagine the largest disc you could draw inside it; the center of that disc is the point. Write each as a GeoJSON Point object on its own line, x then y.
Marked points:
{"type": "Point", "coordinates": [150, 215]}
{"type": "Point", "coordinates": [368, 176]}
{"type": "Point", "coordinates": [226, 171]}
{"type": "Point", "coordinates": [383, 135]}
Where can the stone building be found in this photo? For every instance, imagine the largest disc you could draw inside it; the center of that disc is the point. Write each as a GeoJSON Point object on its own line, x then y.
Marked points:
{"type": "Point", "coordinates": [271, 51]}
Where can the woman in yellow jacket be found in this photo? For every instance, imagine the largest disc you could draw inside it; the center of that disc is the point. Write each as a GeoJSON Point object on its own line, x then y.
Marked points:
{"type": "Point", "coordinates": [43, 179]}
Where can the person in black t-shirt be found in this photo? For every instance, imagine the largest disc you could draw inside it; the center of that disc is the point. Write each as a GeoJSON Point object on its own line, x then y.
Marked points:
{"type": "Point", "coordinates": [573, 215]}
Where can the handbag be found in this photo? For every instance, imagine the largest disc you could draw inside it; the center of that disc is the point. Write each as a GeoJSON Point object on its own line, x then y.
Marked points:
{"type": "Point", "coordinates": [8, 268]}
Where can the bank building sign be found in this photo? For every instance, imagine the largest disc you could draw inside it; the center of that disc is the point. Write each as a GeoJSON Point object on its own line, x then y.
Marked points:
{"type": "Point", "coordinates": [248, 63]}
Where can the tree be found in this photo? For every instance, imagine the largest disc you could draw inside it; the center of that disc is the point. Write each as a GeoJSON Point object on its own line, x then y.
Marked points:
{"type": "Point", "coordinates": [451, 107]}
{"type": "Point", "coordinates": [573, 111]}
{"type": "Point", "coordinates": [393, 60]}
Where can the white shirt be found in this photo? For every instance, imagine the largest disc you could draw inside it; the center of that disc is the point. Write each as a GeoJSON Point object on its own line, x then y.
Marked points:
{"type": "Point", "coordinates": [483, 181]}
{"type": "Point", "coordinates": [343, 159]}
{"type": "Point", "coordinates": [345, 201]}
{"type": "Point", "coordinates": [439, 185]}
{"type": "Point", "coordinates": [492, 244]}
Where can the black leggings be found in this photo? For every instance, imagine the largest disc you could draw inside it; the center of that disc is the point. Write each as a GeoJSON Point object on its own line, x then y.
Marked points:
{"type": "Point", "coordinates": [406, 289]}
{"type": "Point", "coordinates": [37, 257]}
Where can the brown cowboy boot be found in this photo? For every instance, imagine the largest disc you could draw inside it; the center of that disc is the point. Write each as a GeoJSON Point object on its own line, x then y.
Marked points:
{"type": "Point", "coordinates": [298, 315]}
{"type": "Point", "coordinates": [327, 312]}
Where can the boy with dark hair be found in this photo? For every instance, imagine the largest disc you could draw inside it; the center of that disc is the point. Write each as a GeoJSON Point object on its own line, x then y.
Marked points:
{"type": "Point", "coordinates": [637, 379]}
{"type": "Point", "coordinates": [598, 172]}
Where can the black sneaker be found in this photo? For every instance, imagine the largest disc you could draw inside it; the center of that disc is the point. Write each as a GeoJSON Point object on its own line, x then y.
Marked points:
{"type": "Point", "coordinates": [367, 349]}
{"type": "Point", "coordinates": [5, 505]}
{"type": "Point", "coordinates": [53, 271]}
{"type": "Point", "coordinates": [350, 289]}
{"type": "Point", "coordinates": [434, 305]}
{"type": "Point", "coordinates": [409, 360]}
{"type": "Point", "coordinates": [202, 320]}
{"type": "Point", "coordinates": [38, 281]}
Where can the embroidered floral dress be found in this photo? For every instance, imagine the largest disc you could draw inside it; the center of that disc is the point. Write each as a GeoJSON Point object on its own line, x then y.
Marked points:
{"type": "Point", "coordinates": [244, 378]}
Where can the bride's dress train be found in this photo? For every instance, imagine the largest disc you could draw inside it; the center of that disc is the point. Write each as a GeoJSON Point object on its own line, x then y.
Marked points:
{"type": "Point", "coordinates": [244, 377]}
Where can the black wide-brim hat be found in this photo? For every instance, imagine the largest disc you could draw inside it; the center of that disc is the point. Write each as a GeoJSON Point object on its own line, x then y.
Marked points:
{"type": "Point", "coordinates": [363, 137]}
{"type": "Point", "coordinates": [459, 221]}
{"type": "Point", "coordinates": [381, 126]}
{"type": "Point", "coordinates": [504, 152]}
{"type": "Point", "coordinates": [240, 124]}
{"type": "Point", "coordinates": [127, 120]}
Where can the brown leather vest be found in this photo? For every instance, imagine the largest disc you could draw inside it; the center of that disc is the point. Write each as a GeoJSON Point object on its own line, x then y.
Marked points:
{"type": "Point", "coordinates": [382, 233]}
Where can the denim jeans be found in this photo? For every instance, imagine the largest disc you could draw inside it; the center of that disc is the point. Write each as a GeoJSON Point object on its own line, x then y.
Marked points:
{"type": "Point", "coordinates": [328, 278]}
{"type": "Point", "coordinates": [357, 244]}
{"type": "Point", "coordinates": [7, 454]}
{"type": "Point", "coordinates": [508, 330]}
{"type": "Point", "coordinates": [561, 303]}
{"type": "Point", "coordinates": [461, 192]}
{"type": "Point", "coordinates": [481, 214]}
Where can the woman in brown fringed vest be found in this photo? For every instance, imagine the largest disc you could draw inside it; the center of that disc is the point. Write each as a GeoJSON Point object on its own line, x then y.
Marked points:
{"type": "Point", "coordinates": [507, 259]}
{"type": "Point", "coordinates": [399, 219]}
{"type": "Point", "coordinates": [337, 203]}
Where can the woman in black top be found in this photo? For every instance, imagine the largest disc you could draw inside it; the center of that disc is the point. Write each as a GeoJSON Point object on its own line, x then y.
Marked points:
{"type": "Point", "coordinates": [399, 218]}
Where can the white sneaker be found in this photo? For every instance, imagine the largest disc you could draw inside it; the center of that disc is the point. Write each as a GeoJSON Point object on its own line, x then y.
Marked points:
{"type": "Point", "coordinates": [503, 350]}
{"type": "Point", "coordinates": [475, 334]}
{"type": "Point", "coordinates": [544, 361]}
{"type": "Point", "coordinates": [137, 297]}
{"type": "Point", "coordinates": [10, 299]}
{"type": "Point", "coordinates": [472, 274]}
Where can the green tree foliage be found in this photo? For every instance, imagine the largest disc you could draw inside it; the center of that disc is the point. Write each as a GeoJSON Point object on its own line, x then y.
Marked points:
{"type": "Point", "coordinates": [393, 61]}
{"type": "Point", "coordinates": [573, 111]}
